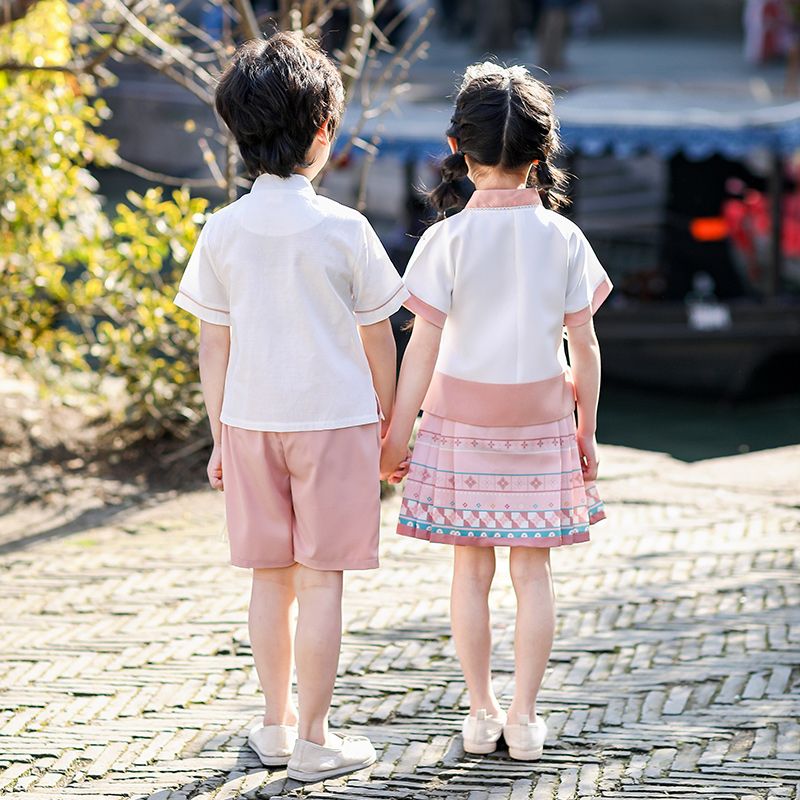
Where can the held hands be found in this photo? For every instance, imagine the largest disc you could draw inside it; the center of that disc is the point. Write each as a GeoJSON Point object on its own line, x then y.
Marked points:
{"type": "Point", "coordinates": [395, 459]}
{"type": "Point", "coordinates": [587, 447]}
{"type": "Point", "coordinates": [214, 468]}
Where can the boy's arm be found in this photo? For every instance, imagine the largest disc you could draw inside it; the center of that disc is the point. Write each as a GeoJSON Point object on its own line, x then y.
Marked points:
{"type": "Point", "coordinates": [584, 355]}
{"type": "Point", "coordinates": [416, 372]}
{"type": "Point", "coordinates": [215, 344]}
{"type": "Point", "coordinates": [381, 352]}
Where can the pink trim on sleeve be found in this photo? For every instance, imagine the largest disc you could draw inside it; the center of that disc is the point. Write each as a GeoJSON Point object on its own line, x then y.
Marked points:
{"type": "Point", "coordinates": [422, 309]}
{"type": "Point", "coordinates": [601, 293]}
{"type": "Point", "coordinates": [582, 316]}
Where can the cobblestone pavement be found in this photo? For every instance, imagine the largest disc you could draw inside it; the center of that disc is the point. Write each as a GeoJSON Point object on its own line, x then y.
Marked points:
{"type": "Point", "coordinates": [126, 670]}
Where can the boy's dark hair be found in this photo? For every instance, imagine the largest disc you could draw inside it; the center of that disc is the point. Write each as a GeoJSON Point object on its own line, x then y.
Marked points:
{"type": "Point", "coordinates": [503, 117]}
{"type": "Point", "coordinates": [274, 96]}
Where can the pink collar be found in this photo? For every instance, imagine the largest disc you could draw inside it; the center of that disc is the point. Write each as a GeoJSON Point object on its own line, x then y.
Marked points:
{"type": "Point", "coordinates": [504, 198]}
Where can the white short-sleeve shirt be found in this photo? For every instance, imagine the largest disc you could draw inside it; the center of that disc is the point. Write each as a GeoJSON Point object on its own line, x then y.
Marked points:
{"type": "Point", "coordinates": [293, 274]}
{"type": "Point", "coordinates": [502, 278]}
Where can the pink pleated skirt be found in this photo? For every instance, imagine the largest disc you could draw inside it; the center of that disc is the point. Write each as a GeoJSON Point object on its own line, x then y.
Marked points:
{"type": "Point", "coordinates": [519, 486]}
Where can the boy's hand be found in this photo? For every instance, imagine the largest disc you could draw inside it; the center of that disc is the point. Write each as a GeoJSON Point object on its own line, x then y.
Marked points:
{"type": "Point", "coordinates": [587, 447]}
{"type": "Point", "coordinates": [214, 469]}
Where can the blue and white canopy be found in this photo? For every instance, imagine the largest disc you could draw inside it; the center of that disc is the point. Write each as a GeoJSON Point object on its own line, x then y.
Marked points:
{"type": "Point", "coordinates": [625, 121]}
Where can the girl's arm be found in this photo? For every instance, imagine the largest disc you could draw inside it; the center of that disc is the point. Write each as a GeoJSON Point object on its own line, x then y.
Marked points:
{"type": "Point", "coordinates": [215, 345]}
{"type": "Point", "coordinates": [415, 377]}
{"type": "Point", "coordinates": [584, 356]}
{"type": "Point", "coordinates": [381, 352]}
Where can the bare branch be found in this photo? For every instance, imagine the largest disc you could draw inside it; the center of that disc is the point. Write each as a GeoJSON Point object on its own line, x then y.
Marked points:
{"type": "Point", "coordinates": [369, 159]}
{"type": "Point", "coordinates": [248, 19]}
{"type": "Point", "coordinates": [213, 164]}
{"type": "Point", "coordinates": [12, 10]}
{"type": "Point", "coordinates": [169, 70]}
{"type": "Point", "coordinates": [160, 177]}
{"type": "Point", "coordinates": [362, 12]}
{"type": "Point", "coordinates": [169, 50]}
{"type": "Point", "coordinates": [215, 45]}
{"type": "Point", "coordinates": [14, 66]}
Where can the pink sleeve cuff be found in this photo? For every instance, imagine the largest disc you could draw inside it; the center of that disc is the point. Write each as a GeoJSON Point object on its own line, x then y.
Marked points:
{"type": "Point", "coordinates": [582, 316]}
{"type": "Point", "coordinates": [421, 309]}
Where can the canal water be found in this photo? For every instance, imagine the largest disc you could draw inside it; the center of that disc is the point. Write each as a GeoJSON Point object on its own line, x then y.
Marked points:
{"type": "Point", "coordinates": [692, 428]}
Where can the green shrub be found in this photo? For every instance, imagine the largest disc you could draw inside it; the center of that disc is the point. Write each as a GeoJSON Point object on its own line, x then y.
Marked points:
{"type": "Point", "coordinates": [86, 300]}
{"type": "Point", "coordinates": [132, 330]}
{"type": "Point", "coordinates": [49, 213]}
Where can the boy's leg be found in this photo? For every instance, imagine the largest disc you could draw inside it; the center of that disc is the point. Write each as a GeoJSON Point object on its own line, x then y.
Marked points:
{"type": "Point", "coordinates": [533, 635]}
{"type": "Point", "coordinates": [473, 571]}
{"type": "Point", "coordinates": [317, 643]}
{"type": "Point", "coordinates": [269, 622]}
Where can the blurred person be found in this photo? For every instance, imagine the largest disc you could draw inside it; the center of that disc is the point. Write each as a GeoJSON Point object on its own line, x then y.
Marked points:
{"type": "Point", "coordinates": [498, 459]}
{"type": "Point", "coordinates": [764, 24]}
{"type": "Point", "coordinates": [792, 84]}
{"type": "Point", "coordinates": [553, 30]}
{"type": "Point", "coordinates": [294, 294]}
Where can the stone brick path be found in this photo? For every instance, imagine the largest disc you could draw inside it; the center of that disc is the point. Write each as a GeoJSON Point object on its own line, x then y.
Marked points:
{"type": "Point", "coordinates": [126, 670]}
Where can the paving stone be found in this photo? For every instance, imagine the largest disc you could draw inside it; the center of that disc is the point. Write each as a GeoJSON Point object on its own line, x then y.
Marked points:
{"type": "Point", "coordinates": [127, 672]}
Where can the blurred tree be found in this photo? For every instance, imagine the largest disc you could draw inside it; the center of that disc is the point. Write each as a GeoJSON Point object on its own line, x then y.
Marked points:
{"type": "Point", "coordinates": [49, 214]}
{"type": "Point", "coordinates": [86, 293]}
{"type": "Point", "coordinates": [12, 10]}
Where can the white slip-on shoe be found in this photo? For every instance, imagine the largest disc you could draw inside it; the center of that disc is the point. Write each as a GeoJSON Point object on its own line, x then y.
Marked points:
{"type": "Point", "coordinates": [481, 732]}
{"type": "Point", "coordinates": [338, 756]}
{"type": "Point", "coordinates": [525, 739]}
{"type": "Point", "coordinates": [273, 744]}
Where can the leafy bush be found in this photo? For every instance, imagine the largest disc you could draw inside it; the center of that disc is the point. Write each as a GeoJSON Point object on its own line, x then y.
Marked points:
{"type": "Point", "coordinates": [81, 293]}
{"type": "Point", "coordinates": [49, 213]}
{"type": "Point", "coordinates": [132, 330]}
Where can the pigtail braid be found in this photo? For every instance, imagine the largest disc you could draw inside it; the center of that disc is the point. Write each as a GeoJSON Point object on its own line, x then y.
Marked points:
{"type": "Point", "coordinates": [445, 196]}
{"type": "Point", "coordinates": [552, 183]}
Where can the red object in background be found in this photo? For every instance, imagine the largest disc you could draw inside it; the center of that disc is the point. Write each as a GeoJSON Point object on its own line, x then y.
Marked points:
{"type": "Point", "coordinates": [709, 229]}
{"type": "Point", "coordinates": [774, 17]}
{"type": "Point", "coordinates": [767, 24]}
{"type": "Point", "coordinates": [749, 222]}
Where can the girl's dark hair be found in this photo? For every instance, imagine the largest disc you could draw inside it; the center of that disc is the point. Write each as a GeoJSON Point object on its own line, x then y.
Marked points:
{"type": "Point", "coordinates": [503, 117]}
{"type": "Point", "coordinates": [274, 96]}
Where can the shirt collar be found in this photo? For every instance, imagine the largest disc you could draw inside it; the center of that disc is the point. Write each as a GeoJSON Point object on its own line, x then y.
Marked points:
{"type": "Point", "coordinates": [504, 198]}
{"type": "Point", "coordinates": [267, 182]}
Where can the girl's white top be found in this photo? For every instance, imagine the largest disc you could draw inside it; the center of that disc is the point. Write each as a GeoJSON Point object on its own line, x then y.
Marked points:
{"type": "Point", "coordinates": [292, 274]}
{"type": "Point", "coordinates": [502, 278]}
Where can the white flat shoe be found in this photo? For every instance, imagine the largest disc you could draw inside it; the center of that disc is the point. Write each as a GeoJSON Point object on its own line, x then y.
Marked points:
{"type": "Point", "coordinates": [481, 732]}
{"type": "Point", "coordinates": [273, 744]}
{"type": "Point", "coordinates": [525, 739]}
{"type": "Point", "coordinates": [339, 755]}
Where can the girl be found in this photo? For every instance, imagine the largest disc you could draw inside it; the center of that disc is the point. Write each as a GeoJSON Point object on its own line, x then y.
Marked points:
{"type": "Point", "coordinates": [498, 458]}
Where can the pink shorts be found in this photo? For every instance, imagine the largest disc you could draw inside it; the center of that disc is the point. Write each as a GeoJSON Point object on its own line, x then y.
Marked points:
{"type": "Point", "coordinates": [302, 497]}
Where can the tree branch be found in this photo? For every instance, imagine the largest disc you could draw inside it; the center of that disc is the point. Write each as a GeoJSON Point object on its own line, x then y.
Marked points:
{"type": "Point", "coordinates": [160, 177]}
{"type": "Point", "coordinates": [12, 10]}
{"type": "Point", "coordinates": [248, 19]}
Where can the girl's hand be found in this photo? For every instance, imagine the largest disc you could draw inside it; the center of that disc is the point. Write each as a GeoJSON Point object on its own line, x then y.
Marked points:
{"type": "Point", "coordinates": [402, 469]}
{"type": "Point", "coordinates": [394, 460]}
{"type": "Point", "coordinates": [587, 447]}
{"type": "Point", "coordinates": [214, 469]}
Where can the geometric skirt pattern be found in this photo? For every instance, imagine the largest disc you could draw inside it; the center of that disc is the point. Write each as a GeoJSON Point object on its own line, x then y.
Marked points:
{"type": "Point", "coordinates": [517, 486]}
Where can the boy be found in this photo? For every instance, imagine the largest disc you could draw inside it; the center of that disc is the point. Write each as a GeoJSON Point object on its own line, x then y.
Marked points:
{"type": "Point", "coordinates": [294, 293]}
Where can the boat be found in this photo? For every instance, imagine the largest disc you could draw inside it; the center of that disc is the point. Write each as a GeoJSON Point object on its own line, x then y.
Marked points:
{"type": "Point", "coordinates": [699, 310]}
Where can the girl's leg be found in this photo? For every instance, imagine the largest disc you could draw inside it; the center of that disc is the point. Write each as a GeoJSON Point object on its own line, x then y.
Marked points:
{"type": "Point", "coordinates": [533, 636]}
{"type": "Point", "coordinates": [271, 639]}
{"type": "Point", "coordinates": [317, 643]}
{"type": "Point", "coordinates": [473, 571]}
